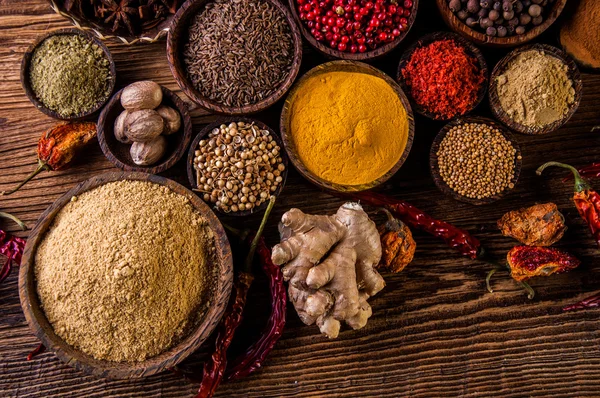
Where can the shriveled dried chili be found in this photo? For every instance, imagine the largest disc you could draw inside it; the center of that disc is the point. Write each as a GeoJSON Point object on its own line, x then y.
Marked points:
{"type": "Point", "coordinates": [11, 247]}
{"type": "Point", "coordinates": [537, 225]}
{"type": "Point", "coordinates": [455, 237]}
{"type": "Point", "coordinates": [58, 146]}
{"type": "Point", "coordinates": [397, 244]}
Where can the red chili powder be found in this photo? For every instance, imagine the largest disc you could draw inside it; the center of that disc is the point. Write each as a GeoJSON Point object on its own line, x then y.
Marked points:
{"type": "Point", "coordinates": [443, 78]}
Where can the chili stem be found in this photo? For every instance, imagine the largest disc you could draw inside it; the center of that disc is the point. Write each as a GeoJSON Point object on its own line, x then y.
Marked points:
{"type": "Point", "coordinates": [15, 219]}
{"type": "Point", "coordinates": [488, 277]}
{"type": "Point", "coordinates": [261, 228]}
{"type": "Point", "coordinates": [580, 183]}
{"type": "Point", "coordinates": [528, 289]}
{"type": "Point", "coordinates": [41, 167]}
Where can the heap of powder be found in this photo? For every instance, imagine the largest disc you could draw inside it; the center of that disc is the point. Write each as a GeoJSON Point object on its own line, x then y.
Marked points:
{"type": "Point", "coordinates": [123, 271]}
{"type": "Point", "coordinates": [348, 128]}
{"type": "Point", "coordinates": [580, 35]}
{"type": "Point", "coordinates": [535, 89]}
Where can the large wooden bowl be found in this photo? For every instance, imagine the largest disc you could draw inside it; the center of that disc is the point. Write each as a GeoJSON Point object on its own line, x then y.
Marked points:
{"type": "Point", "coordinates": [191, 172]}
{"type": "Point", "coordinates": [501, 66]}
{"type": "Point", "coordinates": [118, 153]}
{"type": "Point", "coordinates": [434, 166]}
{"type": "Point", "coordinates": [288, 142]}
{"type": "Point", "coordinates": [470, 49]}
{"type": "Point", "coordinates": [368, 55]}
{"type": "Point", "coordinates": [26, 62]}
{"type": "Point", "coordinates": [481, 38]}
{"type": "Point", "coordinates": [218, 296]}
{"type": "Point", "coordinates": [175, 42]}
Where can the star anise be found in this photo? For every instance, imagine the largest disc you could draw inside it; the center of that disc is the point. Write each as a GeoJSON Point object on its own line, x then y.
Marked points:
{"type": "Point", "coordinates": [153, 12]}
{"type": "Point", "coordinates": [119, 13]}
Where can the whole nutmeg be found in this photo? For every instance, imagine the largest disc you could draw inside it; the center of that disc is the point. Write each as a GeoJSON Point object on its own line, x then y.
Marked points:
{"type": "Point", "coordinates": [171, 117]}
{"type": "Point", "coordinates": [119, 129]}
{"type": "Point", "coordinates": [148, 153]}
{"type": "Point", "coordinates": [144, 94]}
{"type": "Point", "coordinates": [143, 125]}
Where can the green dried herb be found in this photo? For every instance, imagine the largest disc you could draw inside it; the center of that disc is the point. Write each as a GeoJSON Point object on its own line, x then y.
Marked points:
{"type": "Point", "coordinates": [70, 74]}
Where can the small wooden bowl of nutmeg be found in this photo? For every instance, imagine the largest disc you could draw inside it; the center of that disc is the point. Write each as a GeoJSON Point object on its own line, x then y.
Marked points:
{"type": "Point", "coordinates": [144, 127]}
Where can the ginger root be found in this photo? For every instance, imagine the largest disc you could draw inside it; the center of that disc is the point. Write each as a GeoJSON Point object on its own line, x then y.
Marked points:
{"type": "Point", "coordinates": [329, 264]}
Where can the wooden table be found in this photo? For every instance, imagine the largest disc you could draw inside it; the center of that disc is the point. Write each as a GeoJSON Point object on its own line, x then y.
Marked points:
{"type": "Point", "coordinates": [435, 331]}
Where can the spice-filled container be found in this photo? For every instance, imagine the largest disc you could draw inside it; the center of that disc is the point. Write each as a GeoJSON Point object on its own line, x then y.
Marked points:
{"type": "Point", "coordinates": [234, 57]}
{"type": "Point", "coordinates": [444, 76]}
{"type": "Point", "coordinates": [342, 141]}
{"type": "Point", "coordinates": [68, 74]}
{"type": "Point", "coordinates": [579, 34]}
{"type": "Point", "coordinates": [535, 89]}
{"type": "Point", "coordinates": [236, 164]}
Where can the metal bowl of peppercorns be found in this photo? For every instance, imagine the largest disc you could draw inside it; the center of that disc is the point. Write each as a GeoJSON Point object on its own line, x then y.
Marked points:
{"type": "Point", "coordinates": [500, 23]}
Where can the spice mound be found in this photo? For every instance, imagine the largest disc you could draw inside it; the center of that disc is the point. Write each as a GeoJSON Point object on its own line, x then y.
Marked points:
{"type": "Point", "coordinates": [443, 79]}
{"type": "Point", "coordinates": [476, 161]}
{"type": "Point", "coordinates": [535, 89]}
{"type": "Point", "coordinates": [70, 74]}
{"type": "Point", "coordinates": [348, 128]}
{"type": "Point", "coordinates": [238, 52]}
{"type": "Point", "coordinates": [124, 270]}
{"type": "Point", "coordinates": [580, 35]}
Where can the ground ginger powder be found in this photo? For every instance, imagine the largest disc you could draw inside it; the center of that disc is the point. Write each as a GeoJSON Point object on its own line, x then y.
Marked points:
{"type": "Point", "coordinates": [348, 128]}
{"type": "Point", "coordinates": [123, 270]}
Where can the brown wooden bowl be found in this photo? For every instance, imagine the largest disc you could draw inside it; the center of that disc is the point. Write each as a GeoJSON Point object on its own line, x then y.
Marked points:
{"type": "Point", "coordinates": [118, 153]}
{"type": "Point", "coordinates": [481, 38]}
{"type": "Point", "coordinates": [500, 67]}
{"type": "Point", "coordinates": [288, 142]}
{"type": "Point", "coordinates": [218, 296]}
{"type": "Point", "coordinates": [25, 63]}
{"type": "Point", "coordinates": [177, 37]}
{"type": "Point", "coordinates": [369, 55]}
{"type": "Point", "coordinates": [470, 50]}
{"type": "Point", "coordinates": [191, 172]}
{"type": "Point", "coordinates": [434, 167]}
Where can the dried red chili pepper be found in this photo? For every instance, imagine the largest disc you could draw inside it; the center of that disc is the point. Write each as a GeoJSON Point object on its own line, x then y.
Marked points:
{"type": "Point", "coordinates": [11, 247]}
{"type": "Point", "coordinates": [397, 244]}
{"type": "Point", "coordinates": [587, 201]}
{"type": "Point", "coordinates": [590, 302]}
{"type": "Point", "coordinates": [537, 225]}
{"type": "Point", "coordinates": [58, 146]}
{"type": "Point", "coordinates": [36, 351]}
{"type": "Point", "coordinates": [455, 237]}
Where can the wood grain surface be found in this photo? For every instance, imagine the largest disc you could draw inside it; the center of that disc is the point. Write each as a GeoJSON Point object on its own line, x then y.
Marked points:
{"type": "Point", "coordinates": [435, 331]}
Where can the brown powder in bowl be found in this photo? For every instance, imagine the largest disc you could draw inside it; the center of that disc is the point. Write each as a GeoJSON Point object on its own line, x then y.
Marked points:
{"type": "Point", "coordinates": [124, 269]}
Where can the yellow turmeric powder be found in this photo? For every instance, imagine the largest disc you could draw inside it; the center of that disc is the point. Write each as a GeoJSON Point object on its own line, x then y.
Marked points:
{"type": "Point", "coordinates": [348, 128]}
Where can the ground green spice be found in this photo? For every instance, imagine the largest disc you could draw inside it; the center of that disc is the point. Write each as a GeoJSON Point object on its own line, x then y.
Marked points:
{"type": "Point", "coordinates": [70, 74]}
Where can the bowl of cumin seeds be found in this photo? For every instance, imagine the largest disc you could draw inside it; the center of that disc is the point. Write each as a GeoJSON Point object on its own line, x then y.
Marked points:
{"type": "Point", "coordinates": [234, 56]}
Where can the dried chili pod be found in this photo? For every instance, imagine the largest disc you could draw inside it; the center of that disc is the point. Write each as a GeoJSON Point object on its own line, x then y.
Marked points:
{"type": "Point", "coordinates": [527, 261]}
{"type": "Point", "coordinates": [58, 146]}
{"type": "Point", "coordinates": [587, 201]}
{"type": "Point", "coordinates": [538, 225]}
{"type": "Point", "coordinates": [11, 247]}
{"type": "Point", "coordinates": [397, 244]}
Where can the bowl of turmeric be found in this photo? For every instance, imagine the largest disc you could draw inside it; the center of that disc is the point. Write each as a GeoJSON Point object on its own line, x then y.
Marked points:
{"type": "Point", "coordinates": [347, 126]}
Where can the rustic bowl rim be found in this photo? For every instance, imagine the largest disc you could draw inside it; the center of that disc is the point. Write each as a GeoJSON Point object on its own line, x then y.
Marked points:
{"type": "Point", "coordinates": [573, 73]}
{"type": "Point", "coordinates": [339, 65]}
{"type": "Point", "coordinates": [434, 167]}
{"type": "Point", "coordinates": [26, 62]}
{"type": "Point", "coordinates": [41, 328]}
{"type": "Point", "coordinates": [471, 49]}
{"type": "Point", "coordinates": [366, 56]}
{"type": "Point", "coordinates": [191, 174]}
{"type": "Point", "coordinates": [185, 129]}
{"type": "Point", "coordinates": [461, 28]}
{"type": "Point", "coordinates": [175, 41]}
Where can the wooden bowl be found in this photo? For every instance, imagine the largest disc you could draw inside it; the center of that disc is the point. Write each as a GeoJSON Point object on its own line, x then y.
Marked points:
{"type": "Point", "coordinates": [25, 63]}
{"type": "Point", "coordinates": [369, 55]}
{"type": "Point", "coordinates": [481, 38]}
{"type": "Point", "coordinates": [191, 172]}
{"type": "Point", "coordinates": [288, 142]}
{"type": "Point", "coordinates": [218, 296]}
{"type": "Point", "coordinates": [500, 67]}
{"type": "Point", "coordinates": [118, 153]}
{"type": "Point", "coordinates": [177, 37]}
{"type": "Point", "coordinates": [434, 167]}
{"type": "Point", "coordinates": [428, 39]}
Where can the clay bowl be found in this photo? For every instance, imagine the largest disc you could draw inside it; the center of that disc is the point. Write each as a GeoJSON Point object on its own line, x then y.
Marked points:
{"type": "Point", "coordinates": [369, 55]}
{"type": "Point", "coordinates": [430, 38]}
{"type": "Point", "coordinates": [342, 66]}
{"type": "Point", "coordinates": [191, 172]}
{"type": "Point", "coordinates": [480, 38]}
{"type": "Point", "coordinates": [500, 67]}
{"type": "Point", "coordinates": [206, 323]}
{"type": "Point", "coordinates": [434, 167]}
{"type": "Point", "coordinates": [25, 63]}
{"type": "Point", "coordinates": [118, 153]}
{"type": "Point", "coordinates": [177, 38]}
